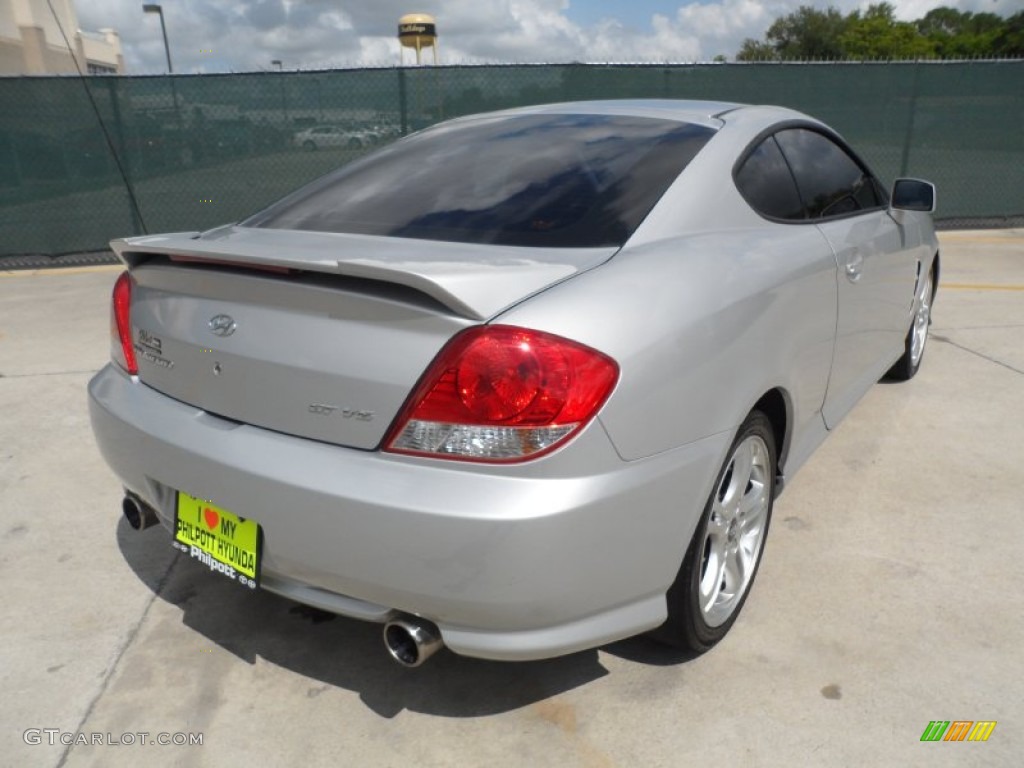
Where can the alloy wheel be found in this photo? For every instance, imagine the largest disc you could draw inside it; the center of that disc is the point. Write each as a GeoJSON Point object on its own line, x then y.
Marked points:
{"type": "Point", "coordinates": [921, 321]}
{"type": "Point", "coordinates": [735, 531]}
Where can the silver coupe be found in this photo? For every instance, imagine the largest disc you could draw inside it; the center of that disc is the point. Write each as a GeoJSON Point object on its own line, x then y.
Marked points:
{"type": "Point", "coordinates": [522, 383]}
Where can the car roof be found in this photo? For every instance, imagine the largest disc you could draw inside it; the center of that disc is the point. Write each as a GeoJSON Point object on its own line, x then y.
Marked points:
{"type": "Point", "coordinates": [709, 113]}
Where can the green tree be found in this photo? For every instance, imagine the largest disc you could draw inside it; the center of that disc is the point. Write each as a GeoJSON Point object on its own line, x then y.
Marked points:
{"type": "Point", "coordinates": [756, 50]}
{"type": "Point", "coordinates": [878, 35]}
{"type": "Point", "coordinates": [875, 33]}
{"type": "Point", "coordinates": [807, 33]}
{"type": "Point", "coordinates": [942, 21]}
{"type": "Point", "coordinates": [1010, 39]}
{"type": "Point", "coordinates": [960, 34]}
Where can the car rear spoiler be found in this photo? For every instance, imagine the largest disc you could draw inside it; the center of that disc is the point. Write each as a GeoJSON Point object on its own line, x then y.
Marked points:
{"type": "Point", "coordinates": [474, 281]}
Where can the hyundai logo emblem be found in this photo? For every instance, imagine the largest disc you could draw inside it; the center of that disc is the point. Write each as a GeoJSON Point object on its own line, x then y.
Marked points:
{"type": "Point", "coordinates": [222, 325]}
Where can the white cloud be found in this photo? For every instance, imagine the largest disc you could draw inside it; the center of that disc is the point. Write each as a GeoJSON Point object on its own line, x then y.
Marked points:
{"type": "Point", "coordinates": [310, 34]}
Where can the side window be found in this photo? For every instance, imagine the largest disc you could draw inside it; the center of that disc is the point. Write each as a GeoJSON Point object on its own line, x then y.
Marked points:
{"type": "Point", "coordinates": [830, 181]}
{"type": "Point", "coordinates": [767, 185]}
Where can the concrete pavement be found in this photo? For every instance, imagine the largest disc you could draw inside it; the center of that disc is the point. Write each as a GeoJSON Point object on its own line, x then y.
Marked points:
{"type": "Point", "coordinates": [890, 594]}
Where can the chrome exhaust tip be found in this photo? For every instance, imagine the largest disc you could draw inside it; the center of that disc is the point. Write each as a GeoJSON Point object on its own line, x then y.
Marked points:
{"type": "Point", "coordinates": [411, 641]}
{"type": "Point", "coordinates": [138, 513]}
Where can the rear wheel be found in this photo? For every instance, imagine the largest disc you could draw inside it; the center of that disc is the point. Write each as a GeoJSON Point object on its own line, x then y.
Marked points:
{"type": "Point", "coordinates": [723, 557]}
{"type": "Point", "coordinates": [913, 346]}
{"type": "Point", "coordinates": [309, 146]}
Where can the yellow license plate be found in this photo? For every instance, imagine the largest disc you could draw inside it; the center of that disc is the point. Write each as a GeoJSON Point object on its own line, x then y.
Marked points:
{"type": "Point", "coordinates": [220, 540]}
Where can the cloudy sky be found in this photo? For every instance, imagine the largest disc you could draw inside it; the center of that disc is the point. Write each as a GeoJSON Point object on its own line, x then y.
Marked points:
{"type": "Point", "coordinates": [245, 35]}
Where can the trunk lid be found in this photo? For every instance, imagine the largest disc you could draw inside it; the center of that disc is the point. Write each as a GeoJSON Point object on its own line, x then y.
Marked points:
{"type": "Point", "coordinates": [317, 335]}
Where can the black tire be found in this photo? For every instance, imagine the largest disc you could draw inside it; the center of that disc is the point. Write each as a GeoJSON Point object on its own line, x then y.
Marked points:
{"type": "Point", "coordinates": [688, 626]}
{"type": "Point", "coordinates": [908, 365]}
{"type": "Point", "coordinates": [355, 143]}
{"type": "Point", "coordinates": [309, 146]}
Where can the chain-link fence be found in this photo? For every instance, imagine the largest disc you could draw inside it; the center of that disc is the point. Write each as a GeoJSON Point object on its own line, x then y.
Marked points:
{"type": "Point", "coordinates": [85, 160]}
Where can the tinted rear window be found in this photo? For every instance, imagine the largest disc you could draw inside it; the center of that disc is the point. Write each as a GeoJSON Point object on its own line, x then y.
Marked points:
{"type": "Point", "coordinates": [538, 180]}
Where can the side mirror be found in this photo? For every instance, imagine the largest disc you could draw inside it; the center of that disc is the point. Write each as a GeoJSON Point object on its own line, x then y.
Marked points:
{"type": "Point", "coordinates": [913, 195]}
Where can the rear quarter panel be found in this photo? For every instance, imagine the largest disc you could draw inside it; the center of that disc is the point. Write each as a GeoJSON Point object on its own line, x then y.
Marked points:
{"type": "Point", "coordinates": [701, 327]}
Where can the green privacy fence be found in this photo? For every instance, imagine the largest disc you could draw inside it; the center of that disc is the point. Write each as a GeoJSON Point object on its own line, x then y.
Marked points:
{"type": "Point", "coordinates": [129, 155]}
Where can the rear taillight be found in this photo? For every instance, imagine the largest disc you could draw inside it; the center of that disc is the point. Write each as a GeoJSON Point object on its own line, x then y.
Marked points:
{"type": "Point", "coordinates": [502, 394]}
{"type": "Point", "coordinates": [121, 349]}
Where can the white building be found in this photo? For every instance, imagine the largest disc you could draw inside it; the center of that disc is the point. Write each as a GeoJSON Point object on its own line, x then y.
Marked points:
{"type": "Point", "coordinates": [31, 42]}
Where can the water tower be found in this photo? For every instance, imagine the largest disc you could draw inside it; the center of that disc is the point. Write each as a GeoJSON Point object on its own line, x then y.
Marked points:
{"type": "Point", "coordinates": [419, 31]}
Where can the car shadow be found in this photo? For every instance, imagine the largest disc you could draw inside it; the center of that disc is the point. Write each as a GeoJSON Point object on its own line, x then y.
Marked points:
{"type": "Point", "coordinates": [350, 654]}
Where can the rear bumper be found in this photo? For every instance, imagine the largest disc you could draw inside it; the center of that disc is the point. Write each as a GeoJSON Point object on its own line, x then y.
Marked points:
{"type": "Point", "coordinates": [511, 562]}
